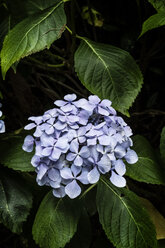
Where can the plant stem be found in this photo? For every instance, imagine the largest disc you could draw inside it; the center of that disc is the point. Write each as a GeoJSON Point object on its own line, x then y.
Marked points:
{"type": "Point", "coordinates": [86, 191]}
{"type": "Point", "coordinates": [62, 84]}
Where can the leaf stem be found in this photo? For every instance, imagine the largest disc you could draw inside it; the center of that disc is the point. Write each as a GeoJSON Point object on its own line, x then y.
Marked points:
{"type": "Point", "coordinates": [86, 191]}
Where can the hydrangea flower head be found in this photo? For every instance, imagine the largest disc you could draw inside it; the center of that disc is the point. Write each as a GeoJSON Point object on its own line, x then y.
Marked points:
{"type": "Point", "coordinates": [76, 142]}
{"type": "Point", "coordinates": [2, 124]}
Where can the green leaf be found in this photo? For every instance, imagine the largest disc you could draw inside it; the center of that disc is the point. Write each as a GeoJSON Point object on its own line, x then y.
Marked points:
{"type": "Point", "coordinates": [147, 169]}
{"type": "Point", "coordinates": [159, 5]}
{"type": "Point", "coordinates": [33, 34]}
{"type": "Point", "coordinates": [12, 155]}
{"type": "Point", "coordinates": [33, 7]}
{"type": "Point", "coordinates": [162, 144]}
{"type": "Point", "coordinates": [125, 222]}
{"type": "Point", "coordinates": [154, 21]}
{"type": "Point", "coordinates": [56, 221]}
{"type": "Point", "coordinates": [109, 72]}
{"type": "Point", "coordinates": [15, 200]}
{"type": "Point", "coordinates": [82, 237]}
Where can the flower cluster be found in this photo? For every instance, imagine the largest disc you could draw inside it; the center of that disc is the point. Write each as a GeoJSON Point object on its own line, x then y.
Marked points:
{"type": "Point", "coordinates": [76, 142]}
{"type": "Point", "coordinates": [2, 124]}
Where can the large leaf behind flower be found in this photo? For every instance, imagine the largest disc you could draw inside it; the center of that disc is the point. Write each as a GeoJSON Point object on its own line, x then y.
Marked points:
{"type": "Point", "coordinates": [147, 169]}
{"type": "Point", "coordinates": [108, 72]}
{"type": "Point", "coordinates": [124, 220]}
{"type": "Point", "coordinates": [56, 221]}
{"type": "Point", "coordinates": [159, 5]}
{"type": "Point", "coordinates": [12, 155]}
{"type": "Point", "coordinates": [15, 200]}
{"type": "Point", "coordinates": [33, 34]}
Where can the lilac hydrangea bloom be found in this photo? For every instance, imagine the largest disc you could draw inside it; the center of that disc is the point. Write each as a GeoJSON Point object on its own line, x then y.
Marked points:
{"type": "Point", "coordinates": [2, 124]}
{"type": "Point", "coordinates": [76, 142]}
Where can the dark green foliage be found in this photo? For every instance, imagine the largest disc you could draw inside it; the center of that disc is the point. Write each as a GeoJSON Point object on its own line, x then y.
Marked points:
{"type": "Point", "coordinates": [56, 221]}
{"type": "Point", "coordinates": [56, 47]}
{"type": "Point", "coordinates": [124, 220]}
{"type": "Point", "coordinates": [16, 200]}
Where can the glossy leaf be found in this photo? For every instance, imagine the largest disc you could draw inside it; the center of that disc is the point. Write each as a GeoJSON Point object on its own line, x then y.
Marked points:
{"type": "Point", "coordinates": [12, 155]}
{"type": "Point", "coordinates": [147, 169]}
{"type": "Point", "coordinates": [159, 5]}
{"type": "Point", "coordinates": [15, 200]}
{"type": "Point", "coordinates": [56, 221]}
{"type": "Point", "coordinates": [162, 144]}
{"type": "Point", "coordinates": [33, 34]}
{"type": "Point", "coordinates": [109, 72]}
{"type": "Point", "coordinates": [154, 21]}
{"type": "Point", "coordinates": [125, 222]}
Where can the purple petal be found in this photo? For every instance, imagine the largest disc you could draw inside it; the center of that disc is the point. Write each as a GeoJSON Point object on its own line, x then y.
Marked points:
{"type": "Point", "coordinates": [67, 108]}
{"type": "Point", "coordinates": [70, 97]}
{"type": "Point", "coordinates": [84, 152]}
{"type": "Point", "coordinates": [38, 149]}
{"type": "Point", "coordinates": [93, 175]}
{"type": "Point", "coordinates": [111, 156]}
{"type": "Point", "coordinates": [30, 126]}
{"type": "Point", "coordinates": [92, 141]}
{"type": "Point", "coordinates": [66, 173]}
{"type": "Point", "coordinates": [73, 189]}
{"type": "Point", "coordinates": [117, 180]}
{"type": "Point", "coordinates": [35, 160]}
{"type": "Point", "coordinates": [78, 161]}
{"type": "Point", "coordinates": [71, 156]}
{"type": "Point", "coordinates": [62, 118]}
{"type": "Point", "coordinates": [59, 125]}
{"type": "Point", "coordinates": [55, 154]}
{"type": "Point", "coordinates": [120, 151]}
{"type": "Point", "coordinates": [60, 192]}
{"type": "Point", "coordinates": [131, 157]}
{"type": "Point", "coordinates": [75, 170]}
{"type": "Point", "coordinates": [73, 119]}
{"type": "Point", "coordinates": [28, 143]}
{"type": "Point", "coordinates": [50, 130]}
{"type": "Point", "coordinates": [38, 131]}
{"type": "Point", "coordinates": [83, 177]}
{"type": "Point", "coordinates": [46, 140]}
{"type": "Point", "coordinates": [81, 139]}
{"type": "Point", "coordinates": [47, 151]}
{"type": "Point", "coordinates": [54, 175]}
{"type": "Point", "coordinates": [120, 167]}
{"type": "Point", "coordinates": [71, 135]}
{"type": "Point", "coordinates": [94, 153]}
{"type": "Point", "coordinates": [94, 99]}
{"type": "Point", "coordinates": [74, 146]}
{"type": "Point", "coordinates": [105, 103]}
{"type": "Point", "coordinates": [83, 117]}
{"type": "Point", "coordinates": [59, 103]}
{"type": "Point", "coordinates": [54, 184]}
{"type": "Point", "coordinates": [128, 131]}
{"type": "Point", "coordinates": [42, 170]}
{"type": "Point", "coordinates": [104, 140]}
{"type": "Point", "coordinates": [103, 111]}
{"type": "Point", "coordinates": [113, 142]}
{"type": "Point", "coordinates": [100, 148]}
{"type": "Point", "coordinates": [104, 164]}
{"type": "Point", "coordinates": [81, 131]}
{"type": "Point", "coordinates": [62, 143]}
{"type": "Point", "coordinates": [84, 104]}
